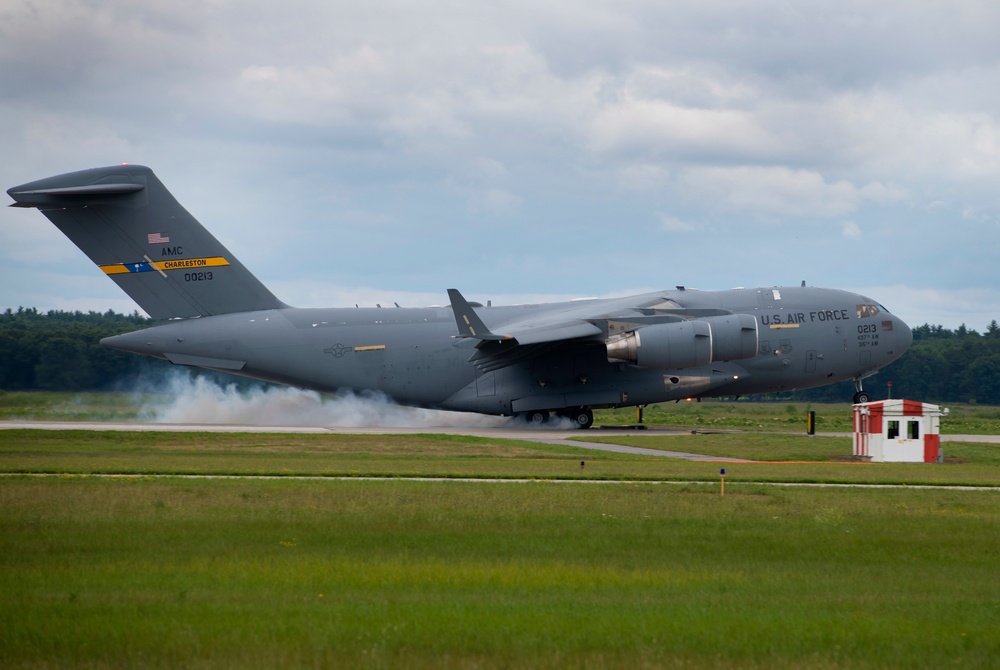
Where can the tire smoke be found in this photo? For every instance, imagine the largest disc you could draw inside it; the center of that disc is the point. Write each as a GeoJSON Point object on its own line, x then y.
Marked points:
{"type": "Point", "coordinates": [187, 398]}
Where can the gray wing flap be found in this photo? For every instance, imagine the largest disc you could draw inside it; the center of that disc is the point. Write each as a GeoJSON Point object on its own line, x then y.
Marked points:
{"type": "Point", "coordinates": [555, 333]}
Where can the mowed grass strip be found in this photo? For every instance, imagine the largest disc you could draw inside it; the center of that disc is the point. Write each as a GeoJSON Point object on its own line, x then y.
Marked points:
{"type": "Point", "coordinates": [81, 452]}
{"type": "Point", "coordinates": [786, 416]}
{"type": "Point", "coordinates": [62, 406]}
{"type": "Point", "coordinates": [819, 459]}
{"type": "Point", "coordinates": [782, 457]}
{"type": "Point", "coordinates": [277, 573]}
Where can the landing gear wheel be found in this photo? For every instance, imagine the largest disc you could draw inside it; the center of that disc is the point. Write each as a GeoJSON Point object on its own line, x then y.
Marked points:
{"type": "Point", "coordinates": [862, 396]}
{"type": "Point", "coordinates": [582, 418]}
{"type": "Point", "coordinates": [537, 418]}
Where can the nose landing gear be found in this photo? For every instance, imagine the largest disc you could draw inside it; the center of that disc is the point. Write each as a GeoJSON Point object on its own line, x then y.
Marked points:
{"type": "Point", "coordinates": [860, 395]}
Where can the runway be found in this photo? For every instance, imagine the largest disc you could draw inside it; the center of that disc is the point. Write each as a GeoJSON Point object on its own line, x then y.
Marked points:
{"type": "Point", "coordinates": [543, 435]}
{"type": "Point", "coordinates": [554, 436]}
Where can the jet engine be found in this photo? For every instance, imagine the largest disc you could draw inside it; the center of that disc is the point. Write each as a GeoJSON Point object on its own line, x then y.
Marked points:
{"type": "Point", "coordinates": [687, 344]}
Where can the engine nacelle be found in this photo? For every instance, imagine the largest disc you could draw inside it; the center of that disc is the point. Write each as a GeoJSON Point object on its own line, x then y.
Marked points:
{"type": "Point", "coordinates": [687, 344]}
{"type": "Point", "coordinates": [734, 337]}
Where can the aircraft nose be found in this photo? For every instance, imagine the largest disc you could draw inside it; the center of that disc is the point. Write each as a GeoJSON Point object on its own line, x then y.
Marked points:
{"type": "Point", "coordinates": [904, 336]}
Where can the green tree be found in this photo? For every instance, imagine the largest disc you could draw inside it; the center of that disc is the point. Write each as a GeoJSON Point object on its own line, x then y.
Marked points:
{"type": "Point", "coordinates": [63, 365]}
{"type": "Point", "coordinates": [61, 350]}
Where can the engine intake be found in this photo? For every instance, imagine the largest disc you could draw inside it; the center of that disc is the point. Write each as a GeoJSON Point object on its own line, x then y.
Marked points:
{"type": "Point", "coordinates": [687, 344]}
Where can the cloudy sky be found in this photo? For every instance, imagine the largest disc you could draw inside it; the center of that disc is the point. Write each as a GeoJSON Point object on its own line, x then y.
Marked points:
{"type": "Point", "coordinates": [387, 150]}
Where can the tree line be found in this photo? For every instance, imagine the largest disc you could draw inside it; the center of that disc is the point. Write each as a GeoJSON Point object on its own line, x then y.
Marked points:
{"type": "Point", "coordinates": [60, 351]}
{"type": "Point", "coordinates": [941, 365]}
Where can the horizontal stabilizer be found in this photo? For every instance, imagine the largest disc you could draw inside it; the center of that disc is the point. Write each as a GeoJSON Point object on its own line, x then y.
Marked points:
{"type": "Point", "coordinates": [41, 197]}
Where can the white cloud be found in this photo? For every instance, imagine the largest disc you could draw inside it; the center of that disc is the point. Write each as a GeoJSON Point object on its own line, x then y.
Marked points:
{"type": "Point", "coordinates": [851, 230]}
{"type": "Point", "coordinates": [671, 224]}
{"type": "Point", "coordinates": [494, 201]}
{"type": "Point", "coordinates": [656, 127]}
{"type": "Point", "coordinates": [882, 194]}
{"type": "Point", "coordinates": [643, 177]}
{"type": "Point", "coordinates": [282, 126]}
{"type": "Point", "coordinates": [769, 192]}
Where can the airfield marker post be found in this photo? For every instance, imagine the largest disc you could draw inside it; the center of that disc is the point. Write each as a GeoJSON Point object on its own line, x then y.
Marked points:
{"type": "Point", "coordinates": [722, 482]}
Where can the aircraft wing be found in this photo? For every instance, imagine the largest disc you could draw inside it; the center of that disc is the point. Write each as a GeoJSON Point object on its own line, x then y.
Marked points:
{"type": "Point", "coordinates": [672, 335]}
{"type": "Point", "coordinates": [535, 332]}
{"type": "Point", "coordinates": [518, 340]}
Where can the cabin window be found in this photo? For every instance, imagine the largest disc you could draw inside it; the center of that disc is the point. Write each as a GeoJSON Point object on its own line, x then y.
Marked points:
{"type": "Point", "coordinates": [892, 430]}
{"type": "Point", "coordinates": [913, 430]}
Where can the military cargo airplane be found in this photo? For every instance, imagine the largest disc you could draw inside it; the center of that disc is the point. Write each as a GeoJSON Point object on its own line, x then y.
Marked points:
{"type": "Point", "coordinates": [525, 360]}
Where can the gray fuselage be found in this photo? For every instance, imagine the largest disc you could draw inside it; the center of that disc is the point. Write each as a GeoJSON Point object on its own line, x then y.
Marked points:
{"type": "Point", "coordinates": [806, 337]}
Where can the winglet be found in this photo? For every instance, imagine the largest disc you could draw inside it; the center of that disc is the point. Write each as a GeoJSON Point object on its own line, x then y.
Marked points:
{"type": "Point", "coordinates": [469, 323]}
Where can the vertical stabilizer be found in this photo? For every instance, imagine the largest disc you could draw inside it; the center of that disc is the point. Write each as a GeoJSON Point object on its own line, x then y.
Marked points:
{"type": "Point", "coordinates": [130, 225]}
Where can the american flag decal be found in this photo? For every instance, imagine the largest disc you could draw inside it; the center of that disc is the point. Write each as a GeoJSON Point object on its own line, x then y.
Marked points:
{"type": "Point", "coordinates": [157, 238]}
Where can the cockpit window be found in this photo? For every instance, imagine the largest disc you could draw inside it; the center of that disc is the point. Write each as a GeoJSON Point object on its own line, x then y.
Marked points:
{"type": "Point", "coordinates": [865, 311]}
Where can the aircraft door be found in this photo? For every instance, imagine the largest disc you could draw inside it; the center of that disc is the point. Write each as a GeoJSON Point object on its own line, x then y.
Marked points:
{"type": "Point", "coordinates": [486, 384]}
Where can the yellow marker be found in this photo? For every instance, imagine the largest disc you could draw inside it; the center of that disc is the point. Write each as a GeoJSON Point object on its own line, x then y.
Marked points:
{"type": "Point", "coordinates": [722, 482]}
{"type": "Point", "coordinates": [371, 347]}
{"type": "Point", "coordinates": [189, 263]}
{"type": "Point", "coordinates": [148, 265]}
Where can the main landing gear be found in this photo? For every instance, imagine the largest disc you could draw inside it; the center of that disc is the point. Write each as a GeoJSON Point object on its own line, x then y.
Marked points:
{"type": "Point", "coordinates": [582, 417]}
{"type": "Point", "coordinates": [537, 418]}
{"type": "Point", "coordinates": [860, 395]}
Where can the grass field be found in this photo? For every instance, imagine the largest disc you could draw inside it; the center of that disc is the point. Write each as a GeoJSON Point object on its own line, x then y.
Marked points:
{"type": "Point", "coordinates": [167, 572]}
{"type": "Point", "coordinates": [816, 459]}
{"type": "Point", "coordinates": [172, 573]}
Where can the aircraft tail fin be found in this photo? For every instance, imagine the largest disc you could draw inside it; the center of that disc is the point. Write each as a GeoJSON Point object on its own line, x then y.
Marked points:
{"type": "Point", "coordinates": [130, 225]}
